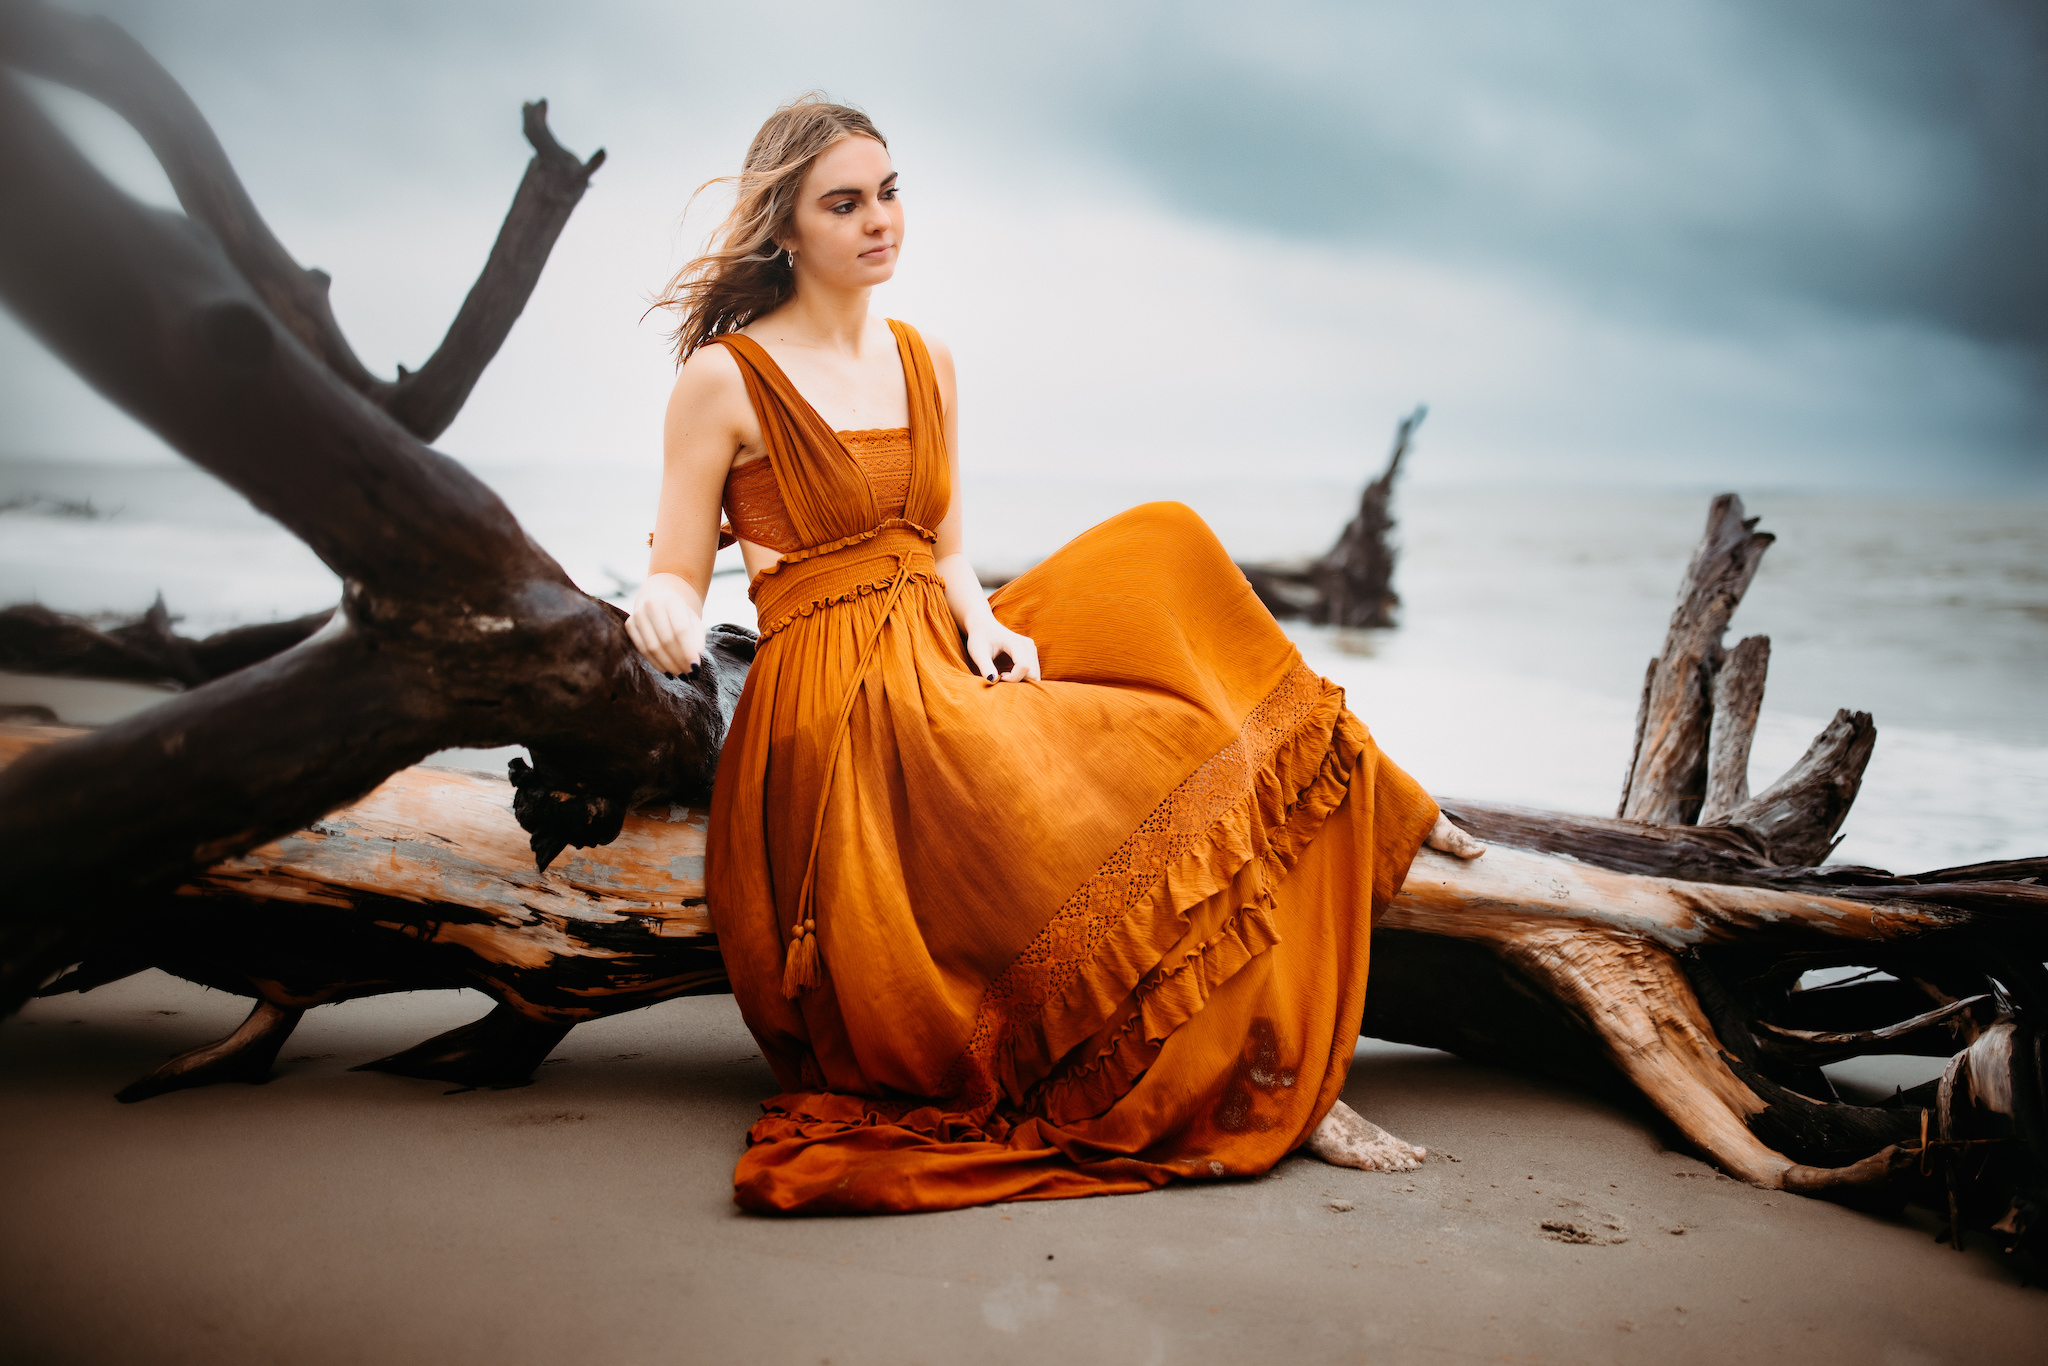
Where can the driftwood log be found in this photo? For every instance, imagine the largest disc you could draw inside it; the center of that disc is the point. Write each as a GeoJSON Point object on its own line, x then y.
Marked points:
{"type": "Point", "coordinates": [36, 640]}
{"type": "Point", "coordinates": [1352, 584]}
{"type": "Point", "coordinates": [264, 833]}
{"type": "Point", "coordinates": [454, 628]}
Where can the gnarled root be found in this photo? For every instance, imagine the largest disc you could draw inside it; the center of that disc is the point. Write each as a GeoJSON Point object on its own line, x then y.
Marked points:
{"type": "Point", "coordinates": [501, 1051]}
{"type": "Point", "coordinates": [246, 1055]}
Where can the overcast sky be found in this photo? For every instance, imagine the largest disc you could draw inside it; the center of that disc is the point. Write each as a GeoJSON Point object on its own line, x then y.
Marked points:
{"type": "Point", "coordinates": [1695, 242]}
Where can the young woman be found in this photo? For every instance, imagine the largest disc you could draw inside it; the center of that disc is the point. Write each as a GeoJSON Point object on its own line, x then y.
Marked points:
{"type": "Point", "coordinates": [1061, 891]}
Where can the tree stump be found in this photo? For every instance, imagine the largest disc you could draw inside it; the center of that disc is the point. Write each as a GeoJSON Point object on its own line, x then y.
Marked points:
{"type": "Point", "coordinates": [1353, 583]}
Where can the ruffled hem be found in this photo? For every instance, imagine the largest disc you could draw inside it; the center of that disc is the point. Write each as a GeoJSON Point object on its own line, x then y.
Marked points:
{"type": "Point", "coordinates": [1252, 849]}
{"type": "Point", "coordinates": [1031, 1022]}
{"type": "Point", "coordinates": [825, 1114]}
{"type": "Point", "coordinates": [1254, 845]}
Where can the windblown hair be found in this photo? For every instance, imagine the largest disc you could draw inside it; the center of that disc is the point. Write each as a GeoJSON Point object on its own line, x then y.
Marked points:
{"type": "Point", "coordinates": [743, 274]}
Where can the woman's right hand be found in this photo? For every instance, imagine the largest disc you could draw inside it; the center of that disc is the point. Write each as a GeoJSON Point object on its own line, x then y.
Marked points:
{"type": "Point", "coordinates": [667, 625]}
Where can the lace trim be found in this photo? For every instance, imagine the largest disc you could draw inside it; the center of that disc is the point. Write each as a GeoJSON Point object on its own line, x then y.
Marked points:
{"type": "Point", "coordinates": [1177, 990]}
{"type": "Point", "coordinates": [754, 506]}
{"type": "Point", "coordinates": [875, 438]}
{"type": "Point", "coordinates": [888, 470]}
{"type": "Point", "coordinates": [753, 500]}
{"type": "Point", "coordinates": [1174, 829]}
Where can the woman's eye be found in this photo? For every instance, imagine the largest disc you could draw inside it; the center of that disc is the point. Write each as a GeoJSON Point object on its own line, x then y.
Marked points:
{"type": "Point", "coordinates": [843, 206]}
{"type": "Point", "coordinates": [890, 193]}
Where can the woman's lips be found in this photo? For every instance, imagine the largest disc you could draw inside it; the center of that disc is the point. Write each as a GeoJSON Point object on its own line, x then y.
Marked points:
{"type": "Point", "coordinates": [885, 248]}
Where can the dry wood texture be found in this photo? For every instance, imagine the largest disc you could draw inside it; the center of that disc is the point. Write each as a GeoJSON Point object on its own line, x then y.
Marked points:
{"type": "Point", "coordinates": [1667, 773]}
{"type": "Point", "coordinates": [1738, 698]}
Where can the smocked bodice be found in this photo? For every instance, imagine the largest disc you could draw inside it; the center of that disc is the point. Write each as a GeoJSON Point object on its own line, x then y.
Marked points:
{"type": "Point", "coordinates": [753, 498]}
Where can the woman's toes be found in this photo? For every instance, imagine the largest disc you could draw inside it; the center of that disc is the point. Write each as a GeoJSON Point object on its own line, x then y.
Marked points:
{"type": "Point", "coordinates": [1449, 839]}
{"type": "Point", "coordinates": [1346, 1138]}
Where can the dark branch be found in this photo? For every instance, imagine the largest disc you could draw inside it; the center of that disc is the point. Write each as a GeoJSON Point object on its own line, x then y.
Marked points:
{"type": "Point", "coordinates": [213, 772]}
{"type": "Point", "coordinates": [96, 57]}
{"type": "Point", "coordinates": [1796, 818]}
{"type": "Point", "coordinates": [1735, 856]}
{"type": "Point", "coordinates": [454, 628]}
{"type": "Point", "coordinates": [425, 402]}
{"type": "Point", "coordinates": [148, 309]}
{"type": "Point", "coordinates": [35, 640]}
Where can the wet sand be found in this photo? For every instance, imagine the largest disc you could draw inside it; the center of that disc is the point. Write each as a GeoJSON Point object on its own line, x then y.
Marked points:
{"type": "Point", "coordinates": [333, 1216]}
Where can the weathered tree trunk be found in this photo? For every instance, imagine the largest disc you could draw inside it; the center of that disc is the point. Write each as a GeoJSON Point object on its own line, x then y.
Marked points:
{"type": "Point", "coordinates": [454, 628]}
{"type": "Point", "coordinates": [1667, 774]}
{"type": "Point", "coordinates": [1352, 585]}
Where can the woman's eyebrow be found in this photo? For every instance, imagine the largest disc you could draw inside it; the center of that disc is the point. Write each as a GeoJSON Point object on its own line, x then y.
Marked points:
{"type": "Point", "coordinates": [887, 181]}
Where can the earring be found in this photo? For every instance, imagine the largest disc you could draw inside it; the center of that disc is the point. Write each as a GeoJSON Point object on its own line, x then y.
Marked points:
{"type": "Point", "coordinates": [790, 257]}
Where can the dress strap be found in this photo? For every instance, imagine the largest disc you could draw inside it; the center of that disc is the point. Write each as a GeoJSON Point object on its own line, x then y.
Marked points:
{"type": "Point", "coordinates": [824, 490]}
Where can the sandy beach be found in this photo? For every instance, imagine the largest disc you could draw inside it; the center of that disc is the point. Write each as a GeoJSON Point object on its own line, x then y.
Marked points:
{"type": "Point", "coordinates": [337, 1216]}
{"type": "Point", "coordinates": [333, 1216]}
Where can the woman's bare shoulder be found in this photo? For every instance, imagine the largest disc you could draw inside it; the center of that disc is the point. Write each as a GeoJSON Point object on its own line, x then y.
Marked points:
{"type": "Point", "coordinates": [708, 410]}
{"type": "Point", "coordinates": [710, 374]}
{"type": "Point", "coordinates": [942, 357]}
{"type": "Point", "coordinates": [709, 383]}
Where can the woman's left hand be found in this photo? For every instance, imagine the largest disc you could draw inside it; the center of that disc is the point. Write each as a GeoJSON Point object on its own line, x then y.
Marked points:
{"type": "Point", "coordinates": [990, 639]}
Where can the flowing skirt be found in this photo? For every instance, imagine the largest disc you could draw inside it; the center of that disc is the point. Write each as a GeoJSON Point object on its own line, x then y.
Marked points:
{"type": "Point", "coordinates": [1080, 936]}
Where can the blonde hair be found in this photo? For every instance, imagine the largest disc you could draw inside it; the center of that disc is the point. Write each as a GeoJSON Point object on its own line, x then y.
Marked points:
{"type": "Point", "coordinates": [743, 274]}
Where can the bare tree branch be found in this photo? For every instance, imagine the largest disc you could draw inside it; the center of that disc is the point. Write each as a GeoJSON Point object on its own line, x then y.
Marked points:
{"type": "Point", "coordinates": [454, 628]}
{"type": "Point", "coordinates": [33, 639]}
{"type": "Point", "coordinates": [98, 58]}
{"type": "Point", "coordinates": [146, 307]}
{"type": "Point", "coordinates": [426, 401]}
{"type": "Point", "coordinates": [1796, 818]}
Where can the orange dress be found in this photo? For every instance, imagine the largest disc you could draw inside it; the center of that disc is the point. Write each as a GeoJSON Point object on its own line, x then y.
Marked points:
{"type": "Point", "coordinates": [1007, 941]}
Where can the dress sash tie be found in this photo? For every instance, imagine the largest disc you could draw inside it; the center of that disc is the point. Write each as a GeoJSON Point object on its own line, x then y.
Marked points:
{"type": "Point", "coordinates": [852, 576]}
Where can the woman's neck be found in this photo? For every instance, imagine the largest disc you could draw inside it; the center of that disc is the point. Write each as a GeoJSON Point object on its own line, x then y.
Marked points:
{"type": "Point", "coordinates": [821, 317]}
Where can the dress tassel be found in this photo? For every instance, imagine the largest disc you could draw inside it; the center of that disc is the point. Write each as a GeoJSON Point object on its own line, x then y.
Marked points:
{"type": "Point", "coordinates": [800, 966]}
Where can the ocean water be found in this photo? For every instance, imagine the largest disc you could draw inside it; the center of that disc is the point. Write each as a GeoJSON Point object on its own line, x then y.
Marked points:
{"type": "Point", "coordinates": [1527, 616]}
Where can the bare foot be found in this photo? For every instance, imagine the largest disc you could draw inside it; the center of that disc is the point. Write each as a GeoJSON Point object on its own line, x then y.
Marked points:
{"type": "Point", "coordinates": [1449, 839]}
{"type": "Point", "coordinates": [1346, 1138]}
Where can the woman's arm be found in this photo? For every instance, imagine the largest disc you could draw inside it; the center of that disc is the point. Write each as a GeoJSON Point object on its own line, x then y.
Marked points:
{"type": "Point", "coordinates": [988, 641]}
{"type": "Point", "coordinates": [709, 420]}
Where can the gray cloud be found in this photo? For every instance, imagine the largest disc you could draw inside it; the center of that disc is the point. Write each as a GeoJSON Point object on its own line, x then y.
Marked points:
{"type": "Point", "coordinates": [1881, 156]}
{"type": "Point", "coordinates": [1714, 167]}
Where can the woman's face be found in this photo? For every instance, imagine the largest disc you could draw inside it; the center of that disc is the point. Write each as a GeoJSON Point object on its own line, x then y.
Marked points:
{"type": "Point", "coordinates": [848, 224]}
